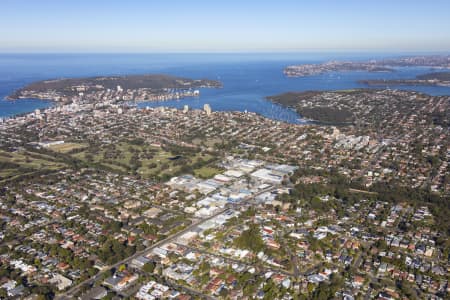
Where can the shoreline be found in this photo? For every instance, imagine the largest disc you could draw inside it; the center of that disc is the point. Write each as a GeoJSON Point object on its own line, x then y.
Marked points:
{"type": "Point", "coordinates": [300, 120]}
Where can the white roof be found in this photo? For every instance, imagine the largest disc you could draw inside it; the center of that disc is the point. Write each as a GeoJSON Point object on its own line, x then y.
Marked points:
{"type": "Point", "coordinates": [234, 173]}
{"type": "Point", "coordinates": [222, 178]}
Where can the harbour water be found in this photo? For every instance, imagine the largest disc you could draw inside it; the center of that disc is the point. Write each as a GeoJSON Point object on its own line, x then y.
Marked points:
{"type": "Point", "coordinates": [247, 78]}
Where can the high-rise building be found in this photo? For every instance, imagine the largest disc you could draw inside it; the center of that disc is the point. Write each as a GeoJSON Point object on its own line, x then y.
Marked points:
{"type": "Point", "coordinates": [207, 109]}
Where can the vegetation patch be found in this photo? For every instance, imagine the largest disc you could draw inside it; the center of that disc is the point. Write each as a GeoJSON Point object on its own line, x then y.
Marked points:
{"type": "Point", "coordinates": [207, 172]}
{"type": "Point", "coordinates": [67, 147]}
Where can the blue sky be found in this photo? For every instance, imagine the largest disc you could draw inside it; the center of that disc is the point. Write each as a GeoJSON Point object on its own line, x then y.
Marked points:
{"type": "Point", "coordinates": [231, 25]}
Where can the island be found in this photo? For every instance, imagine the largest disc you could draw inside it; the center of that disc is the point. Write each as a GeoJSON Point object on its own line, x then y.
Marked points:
{"type": "Point", "coordinates": [429, 79]}
{"type": "Point", "coordinates": [384, 65]}
{"type": "Point", "coordinates": [149, 87]}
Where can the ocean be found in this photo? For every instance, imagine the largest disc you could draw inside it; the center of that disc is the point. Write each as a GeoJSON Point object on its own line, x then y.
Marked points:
{"type": "Point", "coordinates": [247, 78]}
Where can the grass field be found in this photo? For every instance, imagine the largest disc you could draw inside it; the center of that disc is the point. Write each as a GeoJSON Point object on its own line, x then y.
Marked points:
{"type": "Point", "coordinates": [147, 161]}
{"type": "Point", "coordinates": [67, 147]}
{"type": "Point", "coordinates": [207, 172]}
{"type": "Point", "coordinates": [14, 164]}
{"type": "Point", "coordinates": [209, 142]}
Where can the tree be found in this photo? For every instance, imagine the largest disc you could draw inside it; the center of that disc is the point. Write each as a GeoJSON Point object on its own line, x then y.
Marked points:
{"type": "Point", "coordinates": [149, 267]}
{"type": "Point", "coordinates": [114, 226]}
{"type": "Point", "coordinates": [223, 293]}
{"type": "Point", "coordinates": [407, 290]}
{"type": "Point", "coordinates": [44, 292]}
{"type": "Point", "coordinates": [3, 293]}
{"type": "Point", "coordinates": [122, 268]}
{"type": "Point", "coordinates": [250, 239]}
{"type": "Point", "coordinates": [149, 229]}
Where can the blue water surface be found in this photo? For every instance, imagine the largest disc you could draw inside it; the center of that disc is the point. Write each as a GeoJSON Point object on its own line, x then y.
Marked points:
{"type": "Point", "coordinates": [247, 78]}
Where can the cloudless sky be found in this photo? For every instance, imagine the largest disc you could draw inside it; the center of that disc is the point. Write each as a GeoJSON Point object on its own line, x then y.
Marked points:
{"type": "Point", "coordinates": [223, 25]}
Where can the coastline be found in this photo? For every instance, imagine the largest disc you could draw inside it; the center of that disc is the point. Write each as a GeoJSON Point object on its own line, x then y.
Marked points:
{"type": "Point", "coordinates": [246, 83]}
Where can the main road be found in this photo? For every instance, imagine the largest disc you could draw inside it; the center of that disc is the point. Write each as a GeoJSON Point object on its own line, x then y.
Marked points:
{"type": "Point", "coordinates": [70, 294]}
{"type": "Point", "coordinates": [74, 290]}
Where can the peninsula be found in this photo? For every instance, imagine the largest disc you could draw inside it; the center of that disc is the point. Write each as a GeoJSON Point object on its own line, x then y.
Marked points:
{"type": "Point", "coordinates": [378, 110]}
{"type": "Point", "coordinates": [384, 65]}
{"type": "Point", "coordinates": [429, 79]}
{"type": "Point", "coordinates": [333, 66]}
{"type": "Point", "coordinates": [150, 87]}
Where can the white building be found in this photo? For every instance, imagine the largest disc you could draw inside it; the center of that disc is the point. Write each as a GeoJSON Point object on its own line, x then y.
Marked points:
{"type": "Point", "coordinates": [267, 175]}
{"type": "Point", "coordinates": [207, 109]}
{"type": "Point", "coordinates": [61, 282]}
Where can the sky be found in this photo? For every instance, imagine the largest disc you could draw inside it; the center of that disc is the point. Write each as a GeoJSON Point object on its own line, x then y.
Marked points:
{"type": "Point", "coordinates": [224, 25]}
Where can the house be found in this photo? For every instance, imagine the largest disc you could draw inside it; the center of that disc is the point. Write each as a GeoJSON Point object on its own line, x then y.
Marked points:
{"type": "Point", "coordinates": [120, 281]}
{"type": "Point", "coordinates": [60, 281]}
{"type": "Point", "coordinates": [358, 281]}
{"type": "Point", "coordinates": [383, 268]}
{"type": "Point", "coordinates": [429, 252]}
{"type": "Point", "coordinates": [62, 266]}
{"type": "Point", "coordinates": [17, 291]}
{"type": "Point", "coordinates": [188, 237]}
{"type": "Point", "coordinates": [152, 212]}
{"type": "Point", "coordinates": [160, 252]}
{"type": "Point", "coordinates": [139, 262]}
{"type": "Point", "coordinates": [214, 286]}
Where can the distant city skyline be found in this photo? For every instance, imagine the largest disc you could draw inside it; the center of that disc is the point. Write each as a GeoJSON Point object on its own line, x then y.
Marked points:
{"type": "Point", "coordinates": [225, 26]}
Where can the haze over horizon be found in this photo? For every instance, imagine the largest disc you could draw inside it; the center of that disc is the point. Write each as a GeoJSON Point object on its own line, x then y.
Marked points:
{"type": "Point", "coordinates": [205, 26]}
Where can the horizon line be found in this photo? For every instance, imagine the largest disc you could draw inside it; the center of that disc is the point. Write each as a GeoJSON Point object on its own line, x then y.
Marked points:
{"type": "Point", "coordinates": [343, 51]}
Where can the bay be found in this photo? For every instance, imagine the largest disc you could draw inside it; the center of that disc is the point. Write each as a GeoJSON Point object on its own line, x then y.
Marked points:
{"type": "Point", "coordinates": [247, 77]}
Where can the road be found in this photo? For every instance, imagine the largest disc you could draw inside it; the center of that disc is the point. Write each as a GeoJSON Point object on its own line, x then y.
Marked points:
{"type": "Point", "coordinates": [237, 261]}
{"type": "Point", "coordinates": [74, 290]}
{"type": "Point", "coordinates": [357, 261]}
